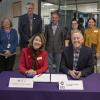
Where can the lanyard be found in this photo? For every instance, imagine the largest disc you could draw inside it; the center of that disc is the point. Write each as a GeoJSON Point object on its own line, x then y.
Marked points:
{"type": "Point", "coordinates": [7, 33]}
{"type": "Point", "coordinates": [8, 36]}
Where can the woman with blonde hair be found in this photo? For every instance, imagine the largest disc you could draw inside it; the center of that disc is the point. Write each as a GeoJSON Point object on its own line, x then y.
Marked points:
{"type": "Point", "coordinates": [8, 44]}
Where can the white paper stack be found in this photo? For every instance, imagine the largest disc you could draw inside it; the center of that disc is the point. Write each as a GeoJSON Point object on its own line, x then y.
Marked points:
{"type": "Point", "coordinates": [58, 77]}
{"type": "Point", "coordinates": [42, 78]}
{"type": "Point", "coordinates": [46, 77]}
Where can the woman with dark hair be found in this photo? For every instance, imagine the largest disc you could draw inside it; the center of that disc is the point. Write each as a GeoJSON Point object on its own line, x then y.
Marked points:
{"type": "Point", "coordinates": [8, 44]}
{"type": "Point", "coordinates": [92, 35]}
{"type": "Point", "coordinates": [74, 28]}
{"type": "Point", "coordinates": [92, 38]}
{"type": "Point", "coordinates": [34, 59]}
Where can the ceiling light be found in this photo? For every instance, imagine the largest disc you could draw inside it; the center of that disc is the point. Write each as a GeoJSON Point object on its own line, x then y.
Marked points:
{"type": "Point", "coordinates": [47, 4]}
{"type": "Point", "coordinates": [52, 9]}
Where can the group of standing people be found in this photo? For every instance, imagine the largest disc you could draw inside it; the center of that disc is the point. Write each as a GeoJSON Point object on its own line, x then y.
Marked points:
{"type": "Point", "coordinates": [55, 51]}
{"type": "Point", "coordinates": [55, 36]}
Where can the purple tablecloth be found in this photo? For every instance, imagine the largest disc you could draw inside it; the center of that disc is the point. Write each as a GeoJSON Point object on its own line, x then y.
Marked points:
{"type": "Point", "coordinates": [49, 91]}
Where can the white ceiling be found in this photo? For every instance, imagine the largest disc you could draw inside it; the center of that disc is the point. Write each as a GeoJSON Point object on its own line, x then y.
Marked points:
{"type": "Point", "coordinates": [83, 6]}
{"type": "Point", "coordinates": [72, 1]}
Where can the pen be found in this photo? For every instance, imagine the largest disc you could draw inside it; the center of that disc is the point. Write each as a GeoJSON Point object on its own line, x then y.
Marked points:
{"type": "Point", "coordinates": [39, 75]}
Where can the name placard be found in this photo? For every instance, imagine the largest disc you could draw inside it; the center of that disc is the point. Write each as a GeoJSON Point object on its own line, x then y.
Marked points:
{"type": "Point", "coordinates": [71, 85]}
{"type": "Point", "coordinates": [21, 83]}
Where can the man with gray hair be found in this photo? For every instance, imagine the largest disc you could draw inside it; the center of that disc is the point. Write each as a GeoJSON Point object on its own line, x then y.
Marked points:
{"type": "Point", "coordinates": [77, 60]}
{"type": "Point", "coordinates": [29, 24]}
{"type": "Point", "coordinates": [56, 40]}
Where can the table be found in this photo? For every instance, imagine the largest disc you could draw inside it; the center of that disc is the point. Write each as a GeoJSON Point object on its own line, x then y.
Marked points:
{"type": "Point", "coordinates": [48, 91]}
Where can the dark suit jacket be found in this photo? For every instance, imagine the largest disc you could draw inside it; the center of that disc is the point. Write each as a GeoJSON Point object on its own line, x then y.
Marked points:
{"type": "Point", "coordinates": [85, 61]}
{"type": "Point", "coordinates": [26, 61]}
{"type": "Point", "coordinates": [24, 28]}
{"type": "Point", "coordinates": [55, 43]}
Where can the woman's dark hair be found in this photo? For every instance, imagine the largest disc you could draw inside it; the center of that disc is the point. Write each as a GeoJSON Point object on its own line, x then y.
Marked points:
{"type": "Point", "coordinates": [92, 19]}
{"type": "Point", "coordinates": [88, 21]}
{"type": "Point", "coordinates": [79, 29]}
{"type": "Point", "coordinates": [35, 53]}
{"type": "Point", "coordinates": [43, 40]}
{"type": "Point", "coordinates": [4, 20]}
{"type": "Point", "coordinates": [72, 21]}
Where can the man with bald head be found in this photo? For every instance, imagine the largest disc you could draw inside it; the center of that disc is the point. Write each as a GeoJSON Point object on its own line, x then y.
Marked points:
{"type": "Point", "coordinates": [77, 60]}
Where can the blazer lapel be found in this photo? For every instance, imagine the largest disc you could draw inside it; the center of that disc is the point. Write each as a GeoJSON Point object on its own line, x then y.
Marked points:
{"type": "Point", "coordinates": [57, 30]}
{"type": "Point", "coordinates": [34, 19]}
{"type": "Point", "coordinates": [27, 19]}
{"type": "Point", "coordinates": [80, 56]}
{"type": "Point", "coordinates": [50, 29]}
{"type": "Point", "coordinates": [71, 56]}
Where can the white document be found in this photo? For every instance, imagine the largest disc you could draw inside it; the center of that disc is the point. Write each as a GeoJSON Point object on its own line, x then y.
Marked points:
{"type": "Point", "coordinates": [42, 78]}
{"type": "Point", "coordinates": [71, 85]}
{"type": "Point", "coordinates": [46, 78]}
{"type": "Point", "coordinates": [21, 82]}
{"type": "Point", "coordinates": [58, 77]}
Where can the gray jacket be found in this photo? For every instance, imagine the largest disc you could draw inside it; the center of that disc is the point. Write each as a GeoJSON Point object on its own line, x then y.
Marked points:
{"type": "Point", "coordinates": [55, 43]}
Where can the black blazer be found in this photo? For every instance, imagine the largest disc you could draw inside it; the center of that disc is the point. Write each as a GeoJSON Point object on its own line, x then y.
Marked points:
{"type": "Point", "coordinates": [24, 28]}
{"type": "Point", "coordinates": [85, 61]}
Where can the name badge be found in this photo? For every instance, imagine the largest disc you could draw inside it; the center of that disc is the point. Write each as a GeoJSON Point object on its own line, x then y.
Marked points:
{"type": "Point", "coordinates": [95, 30]}
{"type": "Point", "coordinates": [39, 58]}
{"type": "Point", "coordinates": [9, 45]}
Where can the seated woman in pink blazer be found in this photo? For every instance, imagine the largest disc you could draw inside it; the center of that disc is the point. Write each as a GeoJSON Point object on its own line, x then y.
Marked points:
{"type": "Point", "coordinates": [34, 59]}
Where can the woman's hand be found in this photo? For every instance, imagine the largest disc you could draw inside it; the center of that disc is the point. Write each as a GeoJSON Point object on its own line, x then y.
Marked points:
{"type": "Point", "coordinates": [7, 53]}
{"type": "Point", "coordinates": [31, 71]}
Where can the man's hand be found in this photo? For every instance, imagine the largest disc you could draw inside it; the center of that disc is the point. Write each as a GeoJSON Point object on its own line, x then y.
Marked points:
{"type": "Point", "coordinates": [75, 74]}
{"type": "Point", "coordinates": [78, 74]}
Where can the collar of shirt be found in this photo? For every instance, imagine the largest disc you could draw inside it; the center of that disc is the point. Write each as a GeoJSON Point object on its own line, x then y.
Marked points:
{"type": "Point", "coordinates": [76, 50]}
{"type": "Point", "coordinates": [30, 16]}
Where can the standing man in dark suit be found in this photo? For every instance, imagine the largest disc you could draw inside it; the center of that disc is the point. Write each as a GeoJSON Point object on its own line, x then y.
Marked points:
{"type": "Point", "coordinates": [77, 60]}
{"type": "Point", "coordinates": [56, 40]}
{"type": "Point", "coordinates": [29, 24]}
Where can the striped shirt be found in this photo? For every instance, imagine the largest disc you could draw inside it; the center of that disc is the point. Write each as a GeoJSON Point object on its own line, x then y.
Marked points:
{"type": "Point", "coordinates": [75, 57]}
